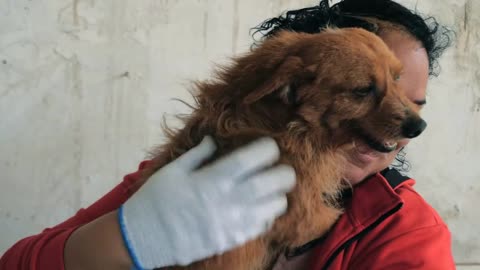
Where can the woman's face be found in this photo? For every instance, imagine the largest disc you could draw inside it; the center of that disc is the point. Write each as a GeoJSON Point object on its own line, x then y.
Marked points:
{"type": "Point", "coordinates": [364, 161]}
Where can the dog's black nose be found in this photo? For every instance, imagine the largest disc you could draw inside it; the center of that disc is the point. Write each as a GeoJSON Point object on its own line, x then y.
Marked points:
{"type": "Point", "coordinates": [413, 127]}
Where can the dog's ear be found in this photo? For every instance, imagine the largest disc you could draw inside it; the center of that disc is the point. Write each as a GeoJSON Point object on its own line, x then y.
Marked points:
{"type": "Point", "coordinates": [280, 80]}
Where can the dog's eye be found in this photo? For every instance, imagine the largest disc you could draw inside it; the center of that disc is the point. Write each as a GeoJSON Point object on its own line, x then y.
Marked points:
{"type": "Point", "coordinates": [363, 92]}
{"type": "Point", "coordinates": [396, 77]}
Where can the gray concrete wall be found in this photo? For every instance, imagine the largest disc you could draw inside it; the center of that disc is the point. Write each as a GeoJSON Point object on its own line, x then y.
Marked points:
{"type": "Point", "coordinates": [84, 85]}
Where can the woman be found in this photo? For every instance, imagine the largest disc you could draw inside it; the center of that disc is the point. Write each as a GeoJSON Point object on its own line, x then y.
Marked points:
{"type": "Point", "coordinates": [386, 224]}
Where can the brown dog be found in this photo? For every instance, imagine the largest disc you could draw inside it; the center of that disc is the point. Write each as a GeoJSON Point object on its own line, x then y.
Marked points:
{"type": "Point", "coordinates": [315, 94]}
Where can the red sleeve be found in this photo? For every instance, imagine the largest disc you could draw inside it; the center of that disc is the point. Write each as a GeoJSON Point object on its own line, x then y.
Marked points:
{"type": "Point", "coordinates": [423, 249]}
{"type": "Point", "coordinates": [44, 251]}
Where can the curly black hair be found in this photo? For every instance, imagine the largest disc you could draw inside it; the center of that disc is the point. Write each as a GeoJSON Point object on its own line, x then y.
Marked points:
{"type": "Point", "coordinates": [353, 13]}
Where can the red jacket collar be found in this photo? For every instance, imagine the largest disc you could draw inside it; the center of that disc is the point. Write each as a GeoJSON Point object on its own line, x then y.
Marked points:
{"type": "Point", "coordinates": [371, 202]}
{"type": "Point", "coordinates": [372, 199]}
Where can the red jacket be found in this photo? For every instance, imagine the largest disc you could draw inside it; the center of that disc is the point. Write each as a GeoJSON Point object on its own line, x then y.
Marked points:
{"type": "Point", "coordinates": [387, 225]}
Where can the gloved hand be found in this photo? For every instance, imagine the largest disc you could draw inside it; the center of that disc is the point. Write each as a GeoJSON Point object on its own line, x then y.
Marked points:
{"type": "Point", "coordinates": [183, 214]}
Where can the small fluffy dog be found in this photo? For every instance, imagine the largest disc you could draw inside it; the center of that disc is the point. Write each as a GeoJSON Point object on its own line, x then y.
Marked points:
{"type": "Point", "coordinates": [316, 94]}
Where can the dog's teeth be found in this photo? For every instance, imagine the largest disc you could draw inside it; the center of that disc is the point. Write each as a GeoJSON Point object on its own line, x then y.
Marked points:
{"type": "Point", "coordinates": [390, 145]}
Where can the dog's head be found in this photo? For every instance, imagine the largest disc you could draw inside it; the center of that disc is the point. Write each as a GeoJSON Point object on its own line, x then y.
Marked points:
{"type": "Point", "coordinates": [341, 82]}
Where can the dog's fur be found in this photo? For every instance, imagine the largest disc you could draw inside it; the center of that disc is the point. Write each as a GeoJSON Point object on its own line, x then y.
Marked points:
{"type": "Point", "coordinates": [313, 93]}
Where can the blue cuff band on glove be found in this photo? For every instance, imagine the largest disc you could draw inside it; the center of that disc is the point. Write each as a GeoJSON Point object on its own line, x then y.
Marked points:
{"type": "Point", "coordinates": [128, 245]}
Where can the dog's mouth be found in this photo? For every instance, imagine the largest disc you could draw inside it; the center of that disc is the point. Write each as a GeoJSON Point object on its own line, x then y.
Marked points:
{"type": "Point", "coordinates": [383, 146]}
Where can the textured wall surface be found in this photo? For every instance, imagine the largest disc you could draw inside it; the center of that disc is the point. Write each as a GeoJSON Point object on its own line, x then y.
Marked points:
{"type": "Point", "coordinates": [84, 85]}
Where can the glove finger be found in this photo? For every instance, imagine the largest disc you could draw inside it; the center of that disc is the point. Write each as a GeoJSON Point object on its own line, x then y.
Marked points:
{"type": "Point", "coordinates": [197, 155]}
{"type": "Point", "coordinates": [244, 161]}
{"type": "Point", "coordinates": [259, 220]}
{"type": "Point", "coordinates": [268, 210]}
{"type": "Point", "coordinates": [275, 181]}
{"type": "Point", "coordinates": [252, 221]}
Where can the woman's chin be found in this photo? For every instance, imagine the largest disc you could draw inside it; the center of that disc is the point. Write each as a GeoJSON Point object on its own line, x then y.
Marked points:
{"type": "Point", "coordinates": [355, 174]}
{"type": "Point", "coordinates": [364, 162]}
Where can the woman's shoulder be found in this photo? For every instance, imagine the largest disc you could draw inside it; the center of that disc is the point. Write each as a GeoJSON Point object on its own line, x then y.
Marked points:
{"type": "Point", "coordinates": [413, 235]}
{"type": "Point", "coordinates": [387, 224]}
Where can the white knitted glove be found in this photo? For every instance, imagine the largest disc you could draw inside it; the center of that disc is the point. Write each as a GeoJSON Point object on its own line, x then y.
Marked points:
{"type": "Point", "coordinates": [183, 214]}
